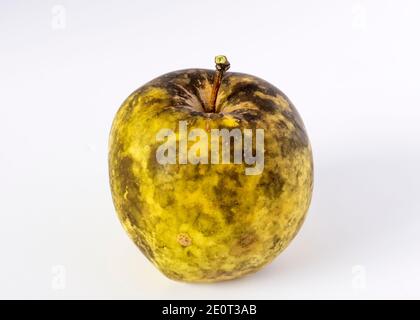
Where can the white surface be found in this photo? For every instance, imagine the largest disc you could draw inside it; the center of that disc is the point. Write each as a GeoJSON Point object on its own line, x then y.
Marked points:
{"type": "Point", "coordinates": [350, 67]}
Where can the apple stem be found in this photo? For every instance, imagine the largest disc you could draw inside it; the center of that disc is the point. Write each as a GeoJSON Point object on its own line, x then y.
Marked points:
{"type": "Point", "coordinates": [222, 65]}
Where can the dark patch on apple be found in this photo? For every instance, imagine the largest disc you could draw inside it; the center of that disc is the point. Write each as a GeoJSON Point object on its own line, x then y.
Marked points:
{"type": "Point", "coordinates": [196, 114]}
{"type": "Point", "coordinates": [297, 138]}
{"type": "Point", "coordinates": [196, 83]}
{"type": "Point", "coordinates": [288, 145]}
{"type": "Point", "coordinates": [177, 92]}
{"type": "Point", "coordinates": [299, 128]}
{"type": "Point", "coordinates": [152, 164]}
{"type": "Point", "coordinates": [217, 274]}
{"type": "Point", "coordinates": [275, 242]}
{"type": "Point", "coordinates": [243, 92]}
{"type": "Point", "coordinates": [144, 248]}
{"type": "Point", "coordinates": [249, 115]}
{"type": "Point", "coordinates": [281, 124]}
{"type": "Point", "coordinates": [180, 84]}
{"type": "Point", "coordinates": [247, 239]}
{"type": "Point", "coordinates": [206, 224]}
{"type": "Point", "coordinates": [153, 101]}
{"type": "Point", "coordinates": [272, 182]}
{"type": "Point", "coordinates": [299, 225]}
{"type": "Point", "coordinates": [164, 198]}
{"type": "Point", "coordinates": [198, 79]}
{"type": "Point", "coordinates": [129, 106]}
{"type": "Point", "coordinates": [129, 187]}
{"type": "Point", "coordinates": [131, 206]}
{"type": "Point", "coordinates": [227, 198]}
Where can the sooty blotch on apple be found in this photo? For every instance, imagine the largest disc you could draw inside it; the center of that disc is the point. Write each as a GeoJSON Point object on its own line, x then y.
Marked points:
{"type": "Point", "coordinates": [236, 223]}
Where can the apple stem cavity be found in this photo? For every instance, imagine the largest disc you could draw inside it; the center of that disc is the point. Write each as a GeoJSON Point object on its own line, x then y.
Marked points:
{"type": "Point", "coordinates": [222, 65]}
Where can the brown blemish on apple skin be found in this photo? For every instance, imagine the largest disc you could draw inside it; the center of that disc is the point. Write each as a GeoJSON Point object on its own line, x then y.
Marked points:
{"type": "Point", "coordinates": [247, 240]}
{"type": "Point", "coordinates": [184, 239]}
{"type": "Point", "coordinates": [244, 243]}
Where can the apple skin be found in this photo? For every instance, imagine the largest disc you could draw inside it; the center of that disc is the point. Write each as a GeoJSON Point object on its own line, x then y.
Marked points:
{"type": "Point", "coordinates": [204, 222]}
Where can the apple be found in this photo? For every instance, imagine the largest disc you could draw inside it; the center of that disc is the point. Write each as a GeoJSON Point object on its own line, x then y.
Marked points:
{"type": "Point", "coordinates": [211, 172]}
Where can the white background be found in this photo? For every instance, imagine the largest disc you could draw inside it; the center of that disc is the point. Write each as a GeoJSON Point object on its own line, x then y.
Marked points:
{"type": "Point", "coordinates": [350, 67]}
